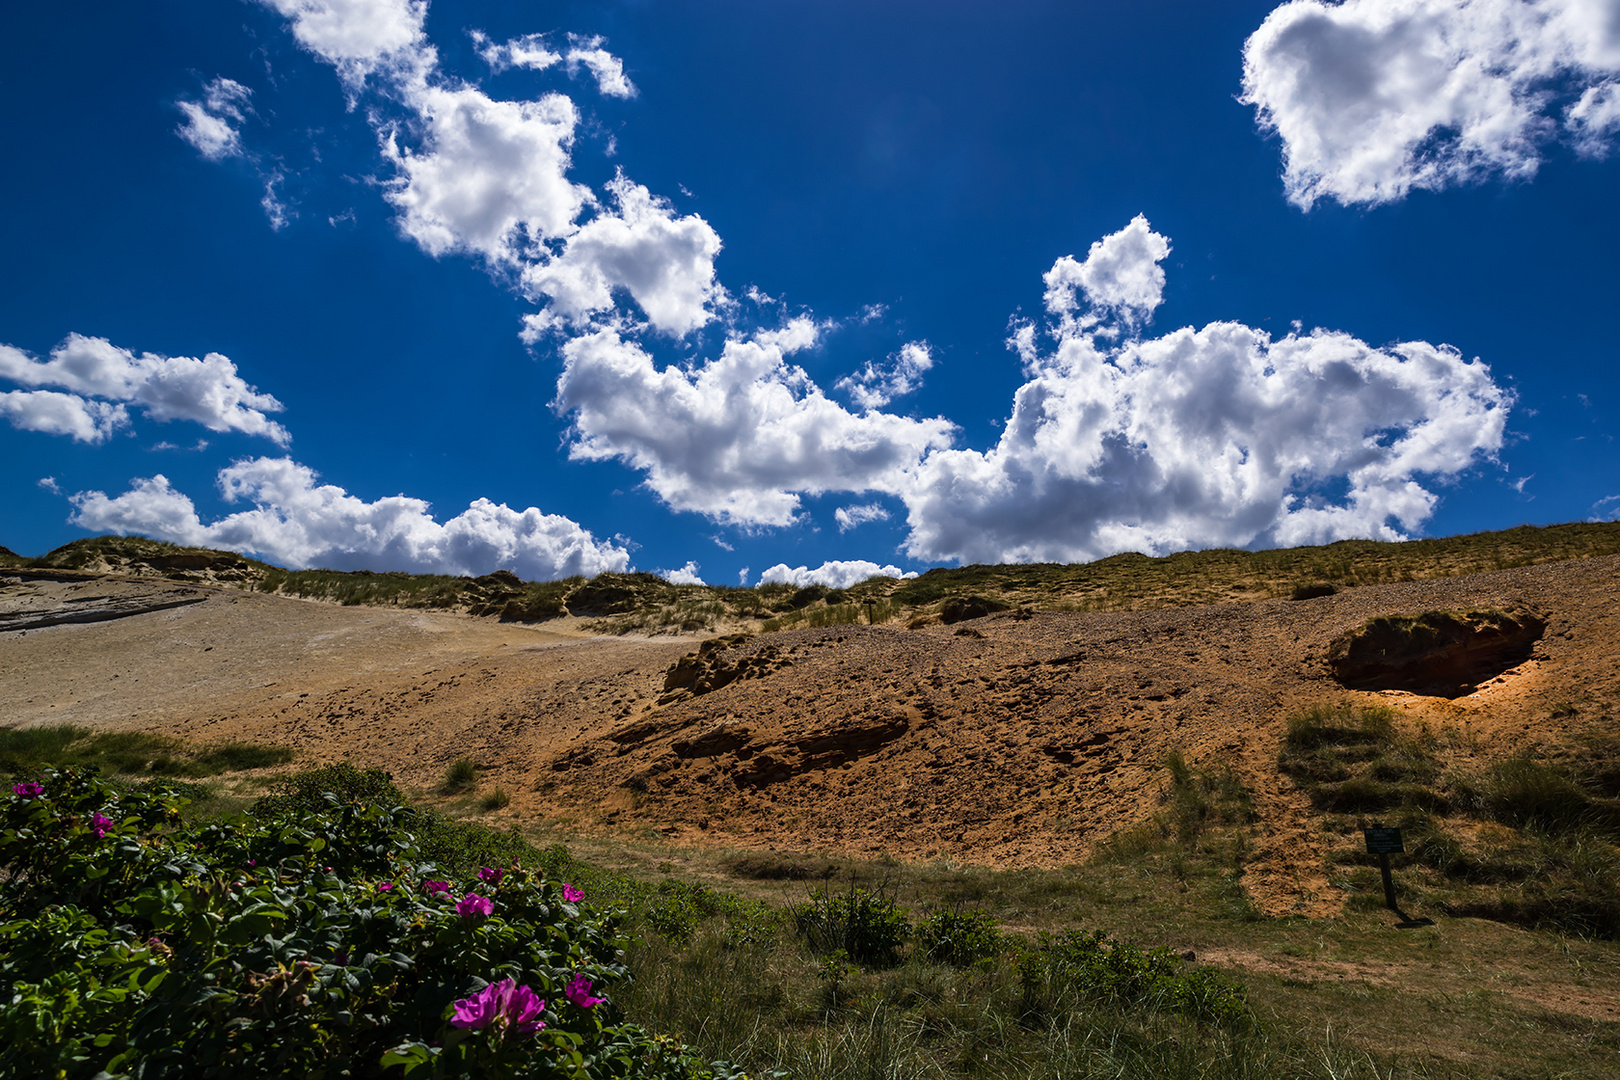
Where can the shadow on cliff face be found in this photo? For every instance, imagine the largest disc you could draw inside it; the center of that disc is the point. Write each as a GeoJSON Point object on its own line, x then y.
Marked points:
{"type": "Point", "coordinates": [1436, 653]}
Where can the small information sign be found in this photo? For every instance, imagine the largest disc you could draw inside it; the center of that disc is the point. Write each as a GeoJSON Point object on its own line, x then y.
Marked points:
{"type": "Point", "coordinates": [1384, 841]}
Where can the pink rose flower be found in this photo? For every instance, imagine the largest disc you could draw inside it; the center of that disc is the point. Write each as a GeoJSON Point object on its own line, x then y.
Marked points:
{"type": "Point", "coordinates": [491, 877]}
{"type": "Point", "coordinates": [502, 1005]}
{"type": "Point", "coordinates": [29, 790]}
{"type": "Point", "coordinates": [579, 992]}
{"type": "Point", "coordinates": [100, 824]}
{"type": "Point", "coordinates": [571, 894]}
{"type": "Point", "coordinates": [435, 888]}
{"type": "Point", "coordinates": [472, 904]}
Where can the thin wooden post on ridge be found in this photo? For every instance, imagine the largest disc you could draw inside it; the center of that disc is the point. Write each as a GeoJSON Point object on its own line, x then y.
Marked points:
{"type": "Point", "coordinates": [1384, 841]}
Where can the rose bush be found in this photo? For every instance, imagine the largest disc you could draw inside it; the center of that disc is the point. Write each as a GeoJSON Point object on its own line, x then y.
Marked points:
{"type": "Point", "coordinates": [309, 942]}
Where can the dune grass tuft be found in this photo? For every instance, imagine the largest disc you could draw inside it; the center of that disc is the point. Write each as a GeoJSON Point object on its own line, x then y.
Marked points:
{"type": "Point", "coordinates": [462, 775]}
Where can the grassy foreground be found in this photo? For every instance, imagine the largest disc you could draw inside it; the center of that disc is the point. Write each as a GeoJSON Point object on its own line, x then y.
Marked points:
{"type": "Point", "coordinates": [1355, 996]}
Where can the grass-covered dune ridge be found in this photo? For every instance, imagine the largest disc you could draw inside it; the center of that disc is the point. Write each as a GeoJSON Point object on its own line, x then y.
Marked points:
{"type": "Point", "coordinates": [641, 602]}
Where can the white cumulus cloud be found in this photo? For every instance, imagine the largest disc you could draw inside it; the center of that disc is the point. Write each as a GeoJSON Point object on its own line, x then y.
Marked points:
{"type": "Point", "coordinates": [1594, 120]}
{"type": "Point", "coordinates": [834, 574]}
{"type": "Point", "coordinates": [851, 517]}
{"type": "Point", "coordinates": [534, 51]}
{"type": "Point", "coordinates": [1121, 276]}
{"type": "Point", "coordinates": [208, 391]}
{"type": "Point", "coordinates": [478, 175]}
{"type": "Point", "coordinates": [1373, 98]}
{"type": "Point", "coordinates": [1215, 436]}
{"type": "Point", "coordinates": [1219, 437]}
{"type": "Point", "coordinates": [879, 384]}
{"type": "Point", "coordinates": [529, 51]}
{"type": "Point", "coordinates": [297, 522]}
{"type": "Point", "coordinates": [737, 438]}
{"type": "Point", "coordinates": [665, 263]}
{"type": "Point", "coordinates": [795, 335]}
{"type": "Point", "coordinates": [52, 413]}
{"type": "Point", "coordinates": [357, 36]}
{"type": "Point", "coordinates": [686, 575]}
{"type": "Point", "coordinates": [490, 176]}
{"type": "Point", "coordinates": [213, 125]}
{"type": "Point", "coordinates": [607, 68]}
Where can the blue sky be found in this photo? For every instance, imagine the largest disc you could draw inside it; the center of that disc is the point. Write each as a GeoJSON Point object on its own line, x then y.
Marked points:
{"type": "Point", "coordinates": [801, 291]}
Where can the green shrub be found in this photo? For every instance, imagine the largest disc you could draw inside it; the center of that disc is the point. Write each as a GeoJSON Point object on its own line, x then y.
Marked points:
{"type": "Point", "coordinates": [869, 927]}
{"type": "Point", "coordinates": [772, 866]}
{"type": "Point", "coordinates": [311, 790]}
{"type": "Point", "coordinates": [675, 909]}
{"type": "Point", "coordinates": [959, 937]}
{"type": "Point", "coordinates": [1567, 882]}
{"type": "Point", "coordinates": [806, 596]}
{"type": "Point", "coordinates": [1074, 970]}
{"type": "Point", "coordinates": [296, 942]}
{"type": "Point", "coordinates": [919, 592]}
{"type": "Point", "coordinates": [496, 800]}
{"type": "Point", "coordinates": [457, 846]}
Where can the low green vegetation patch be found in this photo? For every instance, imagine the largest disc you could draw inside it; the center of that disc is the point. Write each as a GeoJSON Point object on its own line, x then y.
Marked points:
{"type": "Point", "coordinates": [1199, 837]}
{"type": "Point", "coordinates": [855, 985]}
{"type": "Point", "coordinates": [1530, 840]}
{"type": "Point", "coordinates": [1079, 969]}
{"type": "Point", "coordinates": [682, 615]}
{"type": "Point", "coordinates": [388, 589]}
{"type": "Point", "coordinates": [1205, 811]}
{"type": "Point", "coordinates": [294, 942]}
{"type": "Point", "coordinates": [500, 594]}
{"type": "Point", "coordinates": [129, 753]}
{"type": "Point", "coordinates": [1349, 758]}
{"type": "Point", "coordinates": [140, 553]}
{"type": "Point", "coordinates": [833, 614]}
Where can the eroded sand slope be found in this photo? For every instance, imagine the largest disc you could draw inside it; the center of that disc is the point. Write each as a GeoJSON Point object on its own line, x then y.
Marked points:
{"type": "Point", "coordinates": [1010, 740]}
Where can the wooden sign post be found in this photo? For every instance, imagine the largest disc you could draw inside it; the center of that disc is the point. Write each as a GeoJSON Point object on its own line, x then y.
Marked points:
{"type": "Point", "coordinates": [1384, 842]}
